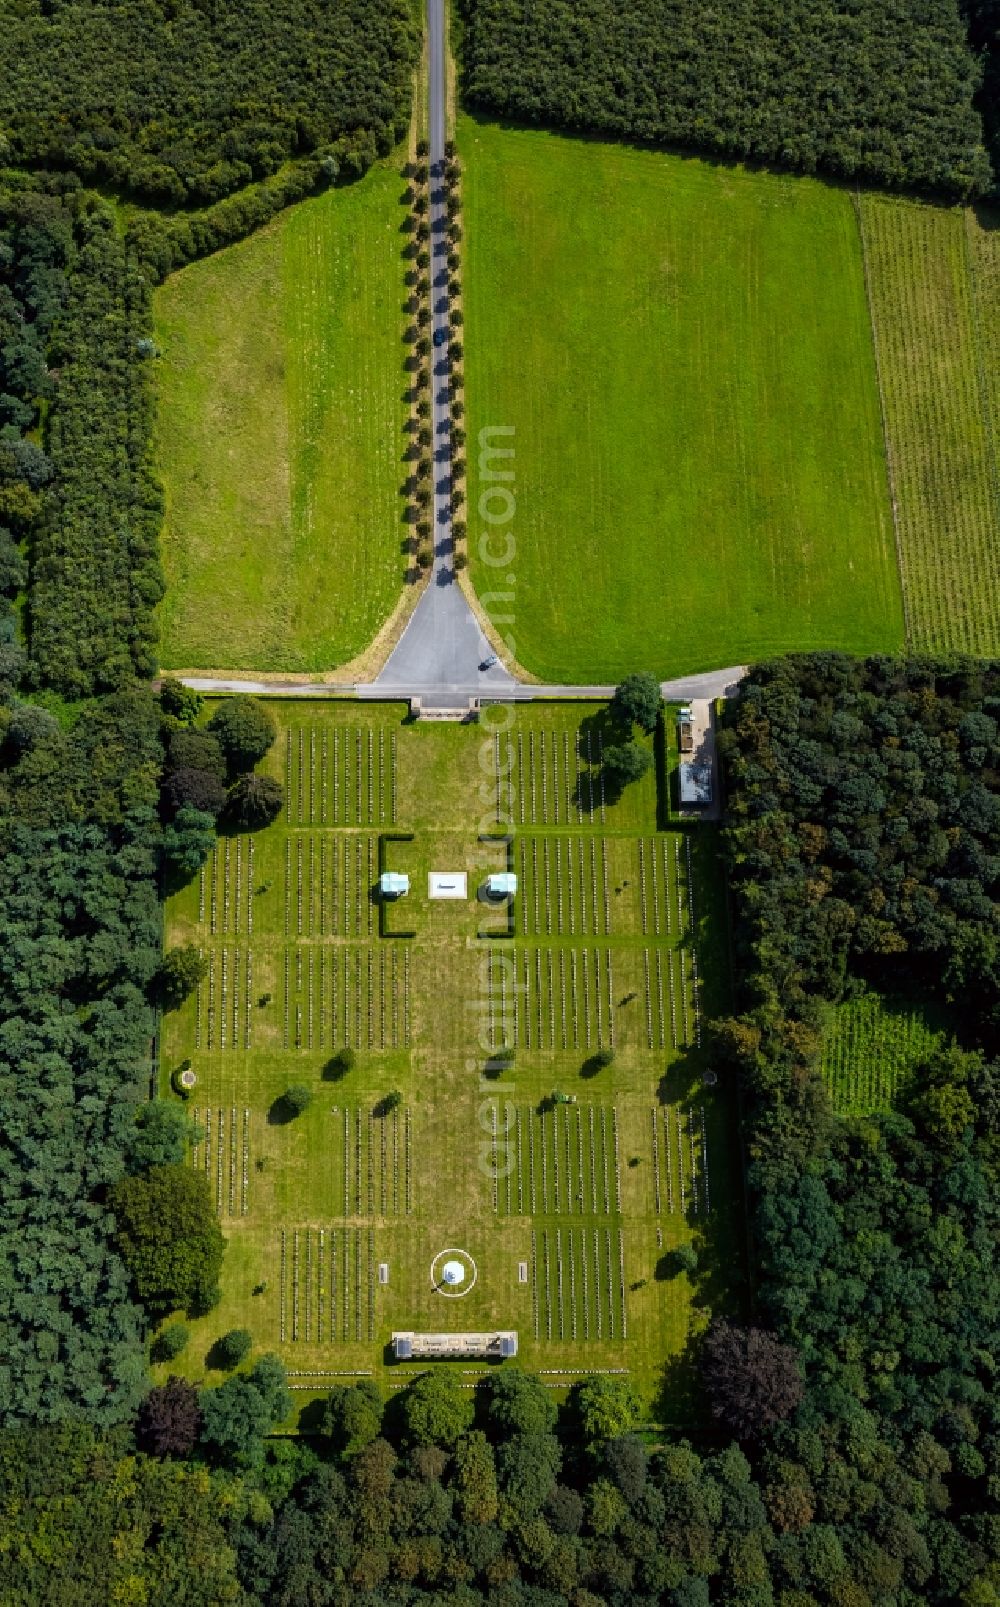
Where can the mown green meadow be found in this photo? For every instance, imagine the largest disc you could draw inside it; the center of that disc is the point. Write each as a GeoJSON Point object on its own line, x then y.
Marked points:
{"type": "Point", "coordinates": [278, 438]}
{"type": "Point", "coordinates": [616, 940]}
{"type": "Point", "coordinates": [685, 355]}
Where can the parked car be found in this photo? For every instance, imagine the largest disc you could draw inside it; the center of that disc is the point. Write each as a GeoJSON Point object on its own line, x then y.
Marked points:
{"type": "Point", "coordinates": [489, 661]}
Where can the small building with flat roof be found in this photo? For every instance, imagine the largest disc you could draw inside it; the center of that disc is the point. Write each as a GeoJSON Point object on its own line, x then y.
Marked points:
{"type": "Point", "coordinates": [695, 785]}
{"type": "Point", "coordinates": [449, 1347]}
{"type": "Point", "coordinates": [501, 884]}
{"type": "Point", "coordinates": [393, 884]}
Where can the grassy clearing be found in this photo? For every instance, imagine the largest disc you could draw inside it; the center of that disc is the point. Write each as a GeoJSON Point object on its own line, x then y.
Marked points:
{"type": "Point", "coordinates": [617, 940]}
{"type": "Point", "coordinates": [685, 354]}
{"type": "Point", "coordinates": [934, 276]}
{"type": "Point", "coordinates": [871, 1050]}
{"type": "Point", "coordinates": [278, 438]}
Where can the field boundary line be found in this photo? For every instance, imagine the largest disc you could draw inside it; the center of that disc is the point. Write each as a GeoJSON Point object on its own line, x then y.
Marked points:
{"type": "Point", "coordinates": [889, 464]}
{"type": "Point", "coordinates": [985, 405]}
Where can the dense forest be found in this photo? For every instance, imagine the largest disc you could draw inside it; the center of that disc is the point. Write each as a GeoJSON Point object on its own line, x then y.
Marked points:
{"type": "Point", "coordinates": [880, 90]}
{"type": "Point", "coordinates": [984, 31]}
{"type": "Point", "coordinates": [184, 102]}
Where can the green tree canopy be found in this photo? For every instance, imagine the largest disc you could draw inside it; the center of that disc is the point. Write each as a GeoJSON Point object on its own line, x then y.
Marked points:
{"type": "Point", "coordinates": [627, 761]}
{"type": "Point", "coordinates": [436, 1410]}
{"type": "Point", "coordinates": [637, 701]}
{"type": "Point", "coordinates": [245, 730]}
{"type": "Point", "coordinates": [352, 1416]}
{"type": "Point", "coordinates": [183, 967]}
{"type": "Point", "coordinates": [239, 1413]}
{"type": "Point", "coordinates": [605, 1407]}
{"type": "Point", "coordinates": [254, 801]}
{"type": "Point", "coordinates": [518, 1403]}
{"type": "Point", "coordinates": [168, 1235]}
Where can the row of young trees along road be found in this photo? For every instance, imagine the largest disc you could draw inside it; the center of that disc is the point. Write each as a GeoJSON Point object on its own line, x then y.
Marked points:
{"type": "Point", "coordinates": [844, 1438]}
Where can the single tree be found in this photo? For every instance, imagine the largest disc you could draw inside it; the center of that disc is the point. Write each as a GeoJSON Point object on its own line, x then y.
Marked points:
{"type": "Point", "coordinates": [352, 1417]}
{"type": "Point", "coordinates": [194, 789]}
{"type": "Point", "coordinates": [188, 840]}
{"type": "Point", "coordinates": [297, 1098]}
{"type": "Point", "coordinates": [605, 1407]}
{"type": "Point", "coordinates": [626, 762]}
{"type": "Point", "coordinates": [390, 1102]}
{"type": "Point", "coordinates": [233, 1348]}
{"type": "Point", "coordinates": [169, 1419]}
{"type": "Point", "coordinates": [340, 1064]}
{"type": "Point", "coordinates": [436, 1410]}
{"type": "Point", "coordinates": [170, 1341]}
{"type": "Point", "coordinates": [245, 731]}
{"type": "Point", "coordinates": [475, 1480]}
{"type": "Point", "coordinates": [196, 750]}
{"type": "Point", "coordinates": [254, 801]}
{"type": "Point", "coordinates": [518, 1403]}
{"type": "Point", "coordinates": [160, 1137]}
{"type": "Point", "coordinates": [751, 1379]}
{"type": "Point", "coordinates": [168, 1235]}
{"type": "Point", "coordinates": [637, 701]}
{"type": "Point", "coordinates": [237, 1415]}
{"type": "Point", "coordinates": [179, 701]}
{"type": "Point", "coordinates": [181, 969]}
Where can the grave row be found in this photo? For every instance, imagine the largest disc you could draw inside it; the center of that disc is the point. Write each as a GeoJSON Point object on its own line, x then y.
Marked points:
{"type": "Point", "coordinates": [550, 778]}
{"type": "Point", "coordinates": [327, 1282]}
{"type": "Point", "coordinates": [578, 1283]}
{"type": "Point", "coordinates": [563, 887]}
{"type": "Point", "coordinates": [680, 1161]}
{"type": "Point", "coordinates": [222, 1150]}
{"type": "Point", "coordinates": [329, 883]}
{"type": "Point", "coordinates": [353, 997]}
{"type": "Point", "coordinates": [559, 1162]}
{"type": "Point", "coordinates": [226, 887]}
{"type": "Point", "coordinates": [370, 1162]}
{"type": "Point", "coordinates": [564, 998]}
{"type": "Point", "coordinates": [344, 777]}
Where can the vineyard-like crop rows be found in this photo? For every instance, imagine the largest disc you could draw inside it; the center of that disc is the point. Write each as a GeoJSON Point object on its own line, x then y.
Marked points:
{"type": "Point", "coordinates": [871, 1051]}
{"type": "Point", "coordinates": [932, 277]}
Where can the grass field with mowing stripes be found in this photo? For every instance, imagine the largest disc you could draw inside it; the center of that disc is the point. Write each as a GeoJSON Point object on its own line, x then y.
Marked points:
{"type": "Point", "coordinates": [934, 280]}
{"type": "Point", "coordinates": [279, 427]}
{"type": "Point", "coordinates": [685, 354]}
{"type": "Point", "coordinates": [615, 940]}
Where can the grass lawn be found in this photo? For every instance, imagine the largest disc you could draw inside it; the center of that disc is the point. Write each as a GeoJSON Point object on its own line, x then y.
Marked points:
{"type": "Point", "coordinates": [685, 354]}
{"type": "Point", "coordinates": [279, 435]}
{"type": "Point", "coordinates": [616, 939]}
{"type": "Point", "coordinates": [935, 288]}
{"type": "Point", "coordinates": [871, 1049]}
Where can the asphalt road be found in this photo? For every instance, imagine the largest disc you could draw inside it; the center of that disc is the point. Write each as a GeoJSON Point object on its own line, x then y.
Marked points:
{"type": "Point", "coordinates": [442, 646]}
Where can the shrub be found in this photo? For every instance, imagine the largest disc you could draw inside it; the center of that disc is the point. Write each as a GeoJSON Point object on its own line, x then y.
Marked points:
{"type": "Point", "coordinates": [297, 1098]}
{"type": "Point", "coordinates": [245, 731]}
{"type": "Point", "coordinates": [180, 972]}
{"type": "Point", "coordinates": [171, 1341]}
{"type": "Point", "coordinates": [340, 1064]}
{"type": "Point", "coordinates": [233, 1348]}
